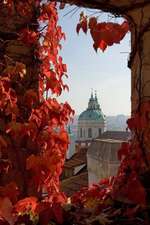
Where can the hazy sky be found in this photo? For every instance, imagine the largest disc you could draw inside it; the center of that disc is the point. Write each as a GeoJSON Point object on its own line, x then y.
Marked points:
{"type": "Point", "coordinates": [107, 72]}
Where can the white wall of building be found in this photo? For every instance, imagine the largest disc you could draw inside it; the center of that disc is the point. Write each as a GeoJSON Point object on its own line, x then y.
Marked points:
{"type": "Point", "coordinates": [102, 160]}
{"type": "Point", "coordinates": [94, 125]}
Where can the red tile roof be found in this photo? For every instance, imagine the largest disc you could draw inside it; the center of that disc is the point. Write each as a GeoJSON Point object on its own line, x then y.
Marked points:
{"type": "Point", "coordinates": [77, 159]}
{"type": "Point", "coordinates": [74, 183]}
{"type": "Point", "coordinates": [116, 135]}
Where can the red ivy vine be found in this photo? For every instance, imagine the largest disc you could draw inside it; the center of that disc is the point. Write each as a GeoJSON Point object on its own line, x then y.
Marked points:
{"type": "Point", "coordinates": [103, 34]}
{"type": "Point", "coordinates": [40, 140]}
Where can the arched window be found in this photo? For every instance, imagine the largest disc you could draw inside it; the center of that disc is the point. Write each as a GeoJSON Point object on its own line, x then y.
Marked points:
{"type": "Point", "coordinates": [89, 133]}
{"type": "Point", "coordinates": [99, 132]}
{"type": "Point", "coordinates": [81, 132]}
{"type": "Point", "coordinates": [84, 133]}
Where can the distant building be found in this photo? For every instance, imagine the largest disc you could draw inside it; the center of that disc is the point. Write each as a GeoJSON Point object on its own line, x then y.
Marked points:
{"type": "Point", "coordinates": [102, 155]}
{"type": "Point", "coordinates": [91, 122]}
{"type": "Point", "coordinates": [95, 155]}
{"type": "Point", "coordinates": [75, 175]}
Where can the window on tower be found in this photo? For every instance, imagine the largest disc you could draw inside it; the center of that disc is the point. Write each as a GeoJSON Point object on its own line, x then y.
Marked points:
{"type": "Point", "coordinates": [84, 134]}
{"type": "Point", "coordinates": [81, 132]}
{"type": "Point", "coordinates": [89, 133]}
{"type": "Point", "coordinates": [99, 132]}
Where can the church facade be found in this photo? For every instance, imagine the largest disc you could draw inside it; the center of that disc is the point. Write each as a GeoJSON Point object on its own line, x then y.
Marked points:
{"type": "Point", "coordinates": [92, 121]}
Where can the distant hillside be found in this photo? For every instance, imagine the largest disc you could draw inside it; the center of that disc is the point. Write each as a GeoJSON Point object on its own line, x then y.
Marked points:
{"type": "Point", "coordinates": [116, 123]}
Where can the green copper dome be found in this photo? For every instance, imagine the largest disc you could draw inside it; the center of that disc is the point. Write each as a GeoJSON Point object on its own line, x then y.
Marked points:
{"type": "Point", "coordinates": [93, 112]}
{"type": "Point", "coordinates": [92, 115]}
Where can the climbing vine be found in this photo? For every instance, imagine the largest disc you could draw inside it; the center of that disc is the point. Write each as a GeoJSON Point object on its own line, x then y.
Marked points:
{"type": "Point", "coordinates": [33, 138]}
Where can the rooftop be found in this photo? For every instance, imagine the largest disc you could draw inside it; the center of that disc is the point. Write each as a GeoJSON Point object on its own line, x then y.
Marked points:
{"type": "Point", "coordinates": [116, 135]}
{"type": "Point", "coordinates": [77, 159]}
{"type": "Point", "coordinates": [105, 150]}
{"type": "Point", "coordinates": [109, 140]}
{"type": "Point", "coordinates": [74, 183]}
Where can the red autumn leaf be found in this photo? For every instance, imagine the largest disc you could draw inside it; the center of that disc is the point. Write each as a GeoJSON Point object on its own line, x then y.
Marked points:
{"type": "Point", "coordinates": [63, 136]}
{"type": "Point", "coordinates": [20, 69]}
{"type": "Point", "coordinates": [3, 142]}
{"type": "Point", "coordinates": [104, 34]}
{"type": "Point", "coordinates": [131, 123]}
{"type": "Point", "coordinates": [52, 83]}
{"type": "Point", "coordinates": [28, 36]}
{"type": "Point", "coordinates": [26, 205]}
{"type": "Point", "coordinates": [45, 216]}
{"type": "Point", "coordinates": [33, 162]}
{"type": "Point", "coordinates": [131, 212]}
{"type": "Point", "coordinates": [65, 87]}
{"type": "Point", "coordinates": [3, 221]}
{"type": "Point", "coordinates": [53, 104]}
{"type": "Point", "coordinates": [31, 97]}
{"type": "Point", "coordinates": [6, 210]}
{"type": "Point", "coordinates": [64, 68]}
{"type": "Point", "coordinates": [135, 191]}
{"type": "Point", "coordinates": [5, 165]}
{"type": "Point", "coordinates": [15, 129]}
{"type": "Point", "coordinates": [24, 8]}
{"type": "Point", "coordinates": [60, 198]}
{"type": "Point", "coordinates": [138, 122]}
{"type": "Point", "coordinates": [92, 22]}
{"type": "Point", "coordinates": [42, 165]}
{"type": "Point", "coordinates": [49, 212]}
{"type": "Point", "coordinates": [78, 27]}
{"type": "Point", "coordinates": [131, 191]}
{"type": "Point", "coordinates": [11, 191]}
{"type": "Point", "coordinates": [124, 150]}
{"type": "Point", "coordinates": [95, 47]}
{"type": "Point", "coordinates": [104, 181]}
{"type": "Point", "coordinates": [58, 212]}
{"type": "Point", "coordinates": [82, 25]}
{"type": "Point", "coordinates": [102, 45]}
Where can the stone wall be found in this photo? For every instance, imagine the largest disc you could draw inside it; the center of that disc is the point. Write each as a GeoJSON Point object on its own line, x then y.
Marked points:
{"type": "Point", "coordinates": [102, 160]}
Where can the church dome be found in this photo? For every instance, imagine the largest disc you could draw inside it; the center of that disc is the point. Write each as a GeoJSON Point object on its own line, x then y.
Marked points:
{"type": "Point", "coordinates": [92, 121]}
{"type": "Point", "coordinates": [93, 112]}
